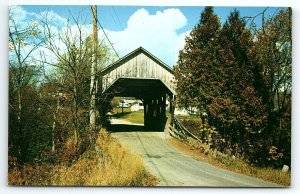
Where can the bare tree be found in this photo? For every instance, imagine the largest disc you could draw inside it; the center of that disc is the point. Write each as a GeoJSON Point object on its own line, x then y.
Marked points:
{"type": "Point", "coordinates": [23, 41]}
{"type": "Point", "coordinates": [73, 52]}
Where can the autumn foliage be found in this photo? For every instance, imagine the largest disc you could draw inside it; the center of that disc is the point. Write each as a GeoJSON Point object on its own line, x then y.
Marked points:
{"type": "Point", "coordinates": [240, 76]}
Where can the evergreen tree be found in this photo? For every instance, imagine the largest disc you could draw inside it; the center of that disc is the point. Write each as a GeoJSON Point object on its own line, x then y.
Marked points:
{"type": "Point", "coordinates": [216, 73]}
{"type": "Point", "coordinates": [195, 60]}
{"type": "Point", "coordinates": [243, 114]}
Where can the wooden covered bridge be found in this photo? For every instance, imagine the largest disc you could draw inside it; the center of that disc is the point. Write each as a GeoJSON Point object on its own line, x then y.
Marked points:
{"type": "Point", "coordinates": [141, 75]}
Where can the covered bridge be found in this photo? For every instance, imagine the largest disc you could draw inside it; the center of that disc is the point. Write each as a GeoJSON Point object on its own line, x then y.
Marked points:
{"type": "Point", "coordinates": [141, 75]}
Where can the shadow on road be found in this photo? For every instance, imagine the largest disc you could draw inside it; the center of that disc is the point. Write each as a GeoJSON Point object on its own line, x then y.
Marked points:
{"type": "Point", "coordinates": [132, 128]}
{"type": "Point", "coordinates": [155, 126]}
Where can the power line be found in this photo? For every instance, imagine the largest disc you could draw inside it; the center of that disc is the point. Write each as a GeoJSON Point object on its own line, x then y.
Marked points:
{"type": "Point", "coordinates": [117, 16]}
{"type": "Point", "coordinates": [107, 37]}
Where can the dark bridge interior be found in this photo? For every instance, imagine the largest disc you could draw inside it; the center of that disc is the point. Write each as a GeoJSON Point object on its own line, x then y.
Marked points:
{"type": "Point", "coordinates": [140, 88]}
{"type": "Point", "coordinates": [152, 92]}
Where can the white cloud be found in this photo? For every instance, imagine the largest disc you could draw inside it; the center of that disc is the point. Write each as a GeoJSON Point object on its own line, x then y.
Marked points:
{"type": "Point", "coordinates": [57, 25]}
{"type": "Point", "coordinates": [70, 32]}
{"type": "Point", "coordinates": [17, 13]}
{"type": "Point", "coordinates": [54, 18]}
{"type": "Point", "coordinates": [156, 33]}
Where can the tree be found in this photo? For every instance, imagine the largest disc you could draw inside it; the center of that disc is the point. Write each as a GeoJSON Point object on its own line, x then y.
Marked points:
{"type": "Point", "coordinates": [273, 53]}
{"type": "Point", "coordinates": [24, 116]}
{"type": "Point", "coordinates": [215, 73]}
{"type": "Point", "coordinates": [195, 60]}
{"type": "Point", "coordinates": [72, 65]}
{"type": "Point", "coordinates": [241, 77]}
{"type": "Point", "coordinates": [245, 114]}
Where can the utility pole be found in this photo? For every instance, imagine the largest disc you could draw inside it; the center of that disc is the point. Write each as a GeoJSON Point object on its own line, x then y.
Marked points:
{"type": "Point", "coordinates": [93, 70]}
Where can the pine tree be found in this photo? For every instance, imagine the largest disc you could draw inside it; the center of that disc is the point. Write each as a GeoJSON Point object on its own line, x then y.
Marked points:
{"type": "Point", "coordinates": [216, 73]}
{"type": "Point", "coordinates": [194, 84]}
{"type": "Point", "coordinates": [243, 113]}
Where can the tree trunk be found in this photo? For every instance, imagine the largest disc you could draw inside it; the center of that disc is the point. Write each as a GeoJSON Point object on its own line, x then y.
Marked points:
{"type": "Point", "coordinates": [54, 123]}
{"type": "Point", "coordinates": [75, 113]}
{"type": "Point", "coordinates": [93, 67]}
{"type": "Point", "coordinates": [20, 124]}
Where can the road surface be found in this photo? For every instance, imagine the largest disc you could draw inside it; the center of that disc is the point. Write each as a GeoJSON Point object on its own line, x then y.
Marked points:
{"type": "Point", "coordinates": [174, 168]}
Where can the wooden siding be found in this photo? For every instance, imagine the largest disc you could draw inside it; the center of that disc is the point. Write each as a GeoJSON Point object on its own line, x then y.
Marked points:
{"type": "Point", "coordinates": [139, 65]}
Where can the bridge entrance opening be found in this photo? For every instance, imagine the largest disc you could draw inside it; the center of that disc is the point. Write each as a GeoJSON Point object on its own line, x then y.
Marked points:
{"type": "Point", "coordinates": [143, 76]}
{"type": "Point", "coordinates": [131, 114]}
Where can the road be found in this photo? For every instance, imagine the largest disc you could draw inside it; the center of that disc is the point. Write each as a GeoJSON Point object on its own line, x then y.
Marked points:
{"type": "Point", "coordinates": [174, 168]}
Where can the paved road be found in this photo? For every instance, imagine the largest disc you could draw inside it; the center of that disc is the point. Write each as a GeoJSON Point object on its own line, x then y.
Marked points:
{"type": "Point", "coordinates": [177, 169]}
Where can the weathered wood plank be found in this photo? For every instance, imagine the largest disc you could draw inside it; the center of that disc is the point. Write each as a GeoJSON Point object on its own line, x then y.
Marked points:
{"type": "Point", "coordinates": [139, 65]}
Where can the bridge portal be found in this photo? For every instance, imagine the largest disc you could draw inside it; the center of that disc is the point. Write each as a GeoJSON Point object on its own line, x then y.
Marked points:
{"type": "Point", "coordinates": [141, 75]}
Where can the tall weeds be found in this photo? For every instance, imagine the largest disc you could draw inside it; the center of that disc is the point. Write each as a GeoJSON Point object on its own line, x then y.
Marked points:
{"type": "Point", "coordinates": [106, 164]}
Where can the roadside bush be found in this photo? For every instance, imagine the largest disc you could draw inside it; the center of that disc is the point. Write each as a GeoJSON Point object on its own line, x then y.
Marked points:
{"type": "Point", "coordinates": [28, 174]}
{"type": "Point", "coordinates": [192, 125]}
{"type": "Point", "coordinates": [209, 136]}
{"type": "Point", "coordinates": [263, 155]}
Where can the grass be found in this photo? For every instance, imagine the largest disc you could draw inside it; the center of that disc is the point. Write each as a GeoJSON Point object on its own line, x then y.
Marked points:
{"type": "Point", "coordinates": [237, 165]}
{"type": "Point", "coordinates": [108, 163]}
{"type": "Point", "coordinates": [134, 117]}
{"type": "Point", "coordinates": [188, 117]}
{"type": "Point", "coordinates": [118, 111]}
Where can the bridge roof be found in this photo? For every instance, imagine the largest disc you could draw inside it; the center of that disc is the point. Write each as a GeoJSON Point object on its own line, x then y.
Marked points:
{"type": "Point", "coordinates": [138, 73]}
{"type": "Point", "coordinates": [131, 55]}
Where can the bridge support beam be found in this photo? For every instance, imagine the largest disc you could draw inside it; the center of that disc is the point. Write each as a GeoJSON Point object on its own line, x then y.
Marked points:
{"type": "Point", "coordinates": [155, 112]}
{"type": "Point", "coordinates": [172, 108]}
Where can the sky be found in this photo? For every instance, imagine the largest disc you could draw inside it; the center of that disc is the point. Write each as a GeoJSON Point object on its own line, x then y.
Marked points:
{"type": "Point", "coordinates": [159, 29]}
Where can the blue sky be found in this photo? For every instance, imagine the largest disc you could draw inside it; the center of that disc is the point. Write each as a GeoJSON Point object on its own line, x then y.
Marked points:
{"type": "Point", "coordinates": [161, 30]}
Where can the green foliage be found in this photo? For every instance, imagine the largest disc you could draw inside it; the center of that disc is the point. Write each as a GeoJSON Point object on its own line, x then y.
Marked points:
{"type": "Point", "coordinates": [242, 80]}
{"type": "Point", "coordinates": [192, 125]}
{"type": "Point", "coordinates": [209, 136]}
{"type": "Point", "coordinates": [28, 140]}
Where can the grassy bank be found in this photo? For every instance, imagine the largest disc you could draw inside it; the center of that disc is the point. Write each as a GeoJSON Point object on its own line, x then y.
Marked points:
{"type": "Point", "coordinates": [235, 165]}
{"type": "Point", "coordinates": [108, 163]}
{"type": "Point", "coordinates": [134, 117]}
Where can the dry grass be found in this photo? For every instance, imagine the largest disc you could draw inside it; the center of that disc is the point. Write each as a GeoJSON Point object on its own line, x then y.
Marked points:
{"type": "Point", "coordinates": [32, 175]}
{"type": "Point", "coordinates": [108, 163]}
{"type": "Point", "coordinates": [237, 165]}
